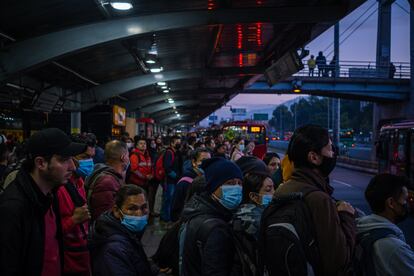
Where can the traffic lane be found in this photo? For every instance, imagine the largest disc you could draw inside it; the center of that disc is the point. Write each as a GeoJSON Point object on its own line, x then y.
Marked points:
{"type": "Point", "coordinates": [350, 186]}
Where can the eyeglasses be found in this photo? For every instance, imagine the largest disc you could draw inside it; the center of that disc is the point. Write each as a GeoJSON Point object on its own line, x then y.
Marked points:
{"type": "Point", "coordinates": [273, 164]}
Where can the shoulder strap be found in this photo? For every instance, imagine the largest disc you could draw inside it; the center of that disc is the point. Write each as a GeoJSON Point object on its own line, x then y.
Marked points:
{"type": "Point", "coordinates": [74, 195]}
{"type": "Point", "coordinates": [186, 179]}
{"type": "Point", "coordinates": [366, 242]}
{"type": "Point", "coordinates": [368, 239]}
{"type": "Point", "coordinates": [95, 178]}
{"type": "Point", "coordinates": [77, 200]}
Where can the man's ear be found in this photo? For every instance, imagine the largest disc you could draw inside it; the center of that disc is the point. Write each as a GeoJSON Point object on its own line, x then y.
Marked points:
{"type": "Point", "coordinates": [40, 163]}
{"type": "Point", "coordinates": [314, 158]}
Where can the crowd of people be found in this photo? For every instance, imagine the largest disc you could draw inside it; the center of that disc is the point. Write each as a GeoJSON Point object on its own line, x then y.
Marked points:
{"type": "Point", "coordinates": [74, 208]}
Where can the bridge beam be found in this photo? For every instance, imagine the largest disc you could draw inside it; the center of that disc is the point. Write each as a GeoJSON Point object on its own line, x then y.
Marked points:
{"type": "Point", "coordinates": [392, 91]}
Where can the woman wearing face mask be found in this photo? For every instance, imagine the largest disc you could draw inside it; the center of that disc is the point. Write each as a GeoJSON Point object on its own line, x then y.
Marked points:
{"type": "Point", "coordinates": [258, 190]}
{"type": "Point", "coordinates": [115, 243]}
{"type": "Point", "coordinates": [272, 161]}
{"type": "Point", "coordinates": [237, 150]}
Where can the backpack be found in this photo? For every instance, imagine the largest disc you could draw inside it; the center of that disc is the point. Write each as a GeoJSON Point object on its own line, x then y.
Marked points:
{"type": "Point", "coordinates": [287, 240]}
{"type": "Point", "coordinates": [167, 254]}
{"type": "Point", "coordinates": [91, 180]}
{"type": "Point", "coordinates": [363, 263]}
{"type": "Point", "coordinates": [170, 249]}
{"type": "Point", "coordinates": [159, 166]}
{"type": "Point", "coordinates": [247, 255]}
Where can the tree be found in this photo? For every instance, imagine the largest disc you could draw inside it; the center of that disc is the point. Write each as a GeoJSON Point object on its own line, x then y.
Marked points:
{"type": "Point", "coordinates": [282, 119]}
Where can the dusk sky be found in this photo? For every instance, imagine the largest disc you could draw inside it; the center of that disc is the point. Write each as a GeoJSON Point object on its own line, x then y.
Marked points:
{"type": "Point", "coordinates": [360, 46]}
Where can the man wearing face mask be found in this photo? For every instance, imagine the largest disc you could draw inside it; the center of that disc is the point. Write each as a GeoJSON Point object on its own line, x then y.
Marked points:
{"type": "Point", "coordinates": [387, 196]}
{"type": "Point", "coordinates": [208, 246]}
{"type": "Point", "coordinates": [180, 193]}
{"type": "Point", "coordinates": [314, 159]}
{"type": "Point", "coordinates": [172, 165]}
{"type": "Point", "coordinates": [75, 215]}
{"type": "Point", "coordinates": [106, 180]}
{"type": "Point", "coordinates": [115, 243]}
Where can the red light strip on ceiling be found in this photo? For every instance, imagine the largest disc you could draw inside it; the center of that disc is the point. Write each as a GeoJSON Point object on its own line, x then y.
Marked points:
{"type": "Point", "coordinates": [240, 60]}
{"type": "Point", "coordinates": [210, 4]}
{"type": "Point", "coordinates": [259, 34]}
{"type": "Point", "coordinates": [239, 36]}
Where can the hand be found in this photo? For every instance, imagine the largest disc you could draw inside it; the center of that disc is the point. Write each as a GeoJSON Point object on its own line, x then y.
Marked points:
{"type": "Point", "coordinates": [81, 214]}
{"type": "Point", "coordinates": [343, 206]}
{"type": "Point", "coordinates": [149, 177]}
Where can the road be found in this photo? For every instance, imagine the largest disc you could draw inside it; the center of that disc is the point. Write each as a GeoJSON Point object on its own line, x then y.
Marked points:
{"type": "Point", "coordinates": [350, 186]}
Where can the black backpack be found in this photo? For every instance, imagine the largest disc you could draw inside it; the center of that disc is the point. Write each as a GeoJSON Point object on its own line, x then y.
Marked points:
{"type": "Point", "coordinates": [363, 263]}
{"type": "Point", "coordinates": [247, 254]}
{"type": "Point", "coordinates": [287, 242]}
{"type": "Point", "coordinates": [168, 252]}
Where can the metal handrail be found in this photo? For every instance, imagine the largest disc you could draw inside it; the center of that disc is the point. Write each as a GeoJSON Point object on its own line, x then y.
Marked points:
{"type": "Point", "coordinates": [360, 69]}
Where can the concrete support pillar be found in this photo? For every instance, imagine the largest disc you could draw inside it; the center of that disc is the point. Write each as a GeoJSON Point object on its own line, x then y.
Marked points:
{"type": "Point", "coordinates": [75, 116]}
{"type": "Point", "coordinates": [410, 106]}
{"type": "Point", "coordinates": [383, 58]}
{"type": "Point", "coordinates": [75, 122]}
{"type": "Point", "coordinates": [336, 104]}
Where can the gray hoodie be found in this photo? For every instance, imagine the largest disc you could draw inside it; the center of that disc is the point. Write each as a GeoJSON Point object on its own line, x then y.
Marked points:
{"type": "Point", "coordinates": [392, 255]}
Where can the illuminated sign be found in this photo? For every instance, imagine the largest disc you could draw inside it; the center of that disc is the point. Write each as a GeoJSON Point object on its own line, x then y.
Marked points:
{"type": "Point", "coordinates": [119, 116]}
{"type": "Point", "coordinates": [255, 129]}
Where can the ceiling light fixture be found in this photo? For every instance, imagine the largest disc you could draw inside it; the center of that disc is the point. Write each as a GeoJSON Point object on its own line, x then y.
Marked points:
{"type": "Point", "coordinates": [166, 91]}
{"type": "Point", "coordinates": [156, 70]}
{"type": "Point", "coordinates": [164, 87]}
{"type": "Point", "coordinates": [161, 83]}
{"type": "Point", "coordinates": [150, 61]}
{"type": "Point", "coordinates": [121, 5]}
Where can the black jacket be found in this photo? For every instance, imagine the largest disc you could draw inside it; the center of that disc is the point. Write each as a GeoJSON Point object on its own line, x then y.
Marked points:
{"type": "Point", "coordinates": [22, 236]}
{"type": "Point", "coordinates": [115, 250]}
{"type": "Point", "coordinates": [172, 165]}
{"type": "Point", "coordinates": [180, 194]}
{"type": "Point", "coordinates": [215, 256]}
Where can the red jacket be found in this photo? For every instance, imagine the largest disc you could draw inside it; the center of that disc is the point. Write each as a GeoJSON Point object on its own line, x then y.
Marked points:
{"type": "Point", "coordinates": [141, 167]}
{"type": "Point", "coordinates": [103, 192]}
{"type": "Point", "coordinates": [76, 254]}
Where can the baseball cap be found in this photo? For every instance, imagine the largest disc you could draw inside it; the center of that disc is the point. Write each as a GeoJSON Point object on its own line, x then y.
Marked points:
{"type": "Point", "coordinates": [51, 141]}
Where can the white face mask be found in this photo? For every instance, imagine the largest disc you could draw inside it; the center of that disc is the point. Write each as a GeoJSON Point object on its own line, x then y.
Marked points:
{"type": "Point", "coordinates": [129, 145]}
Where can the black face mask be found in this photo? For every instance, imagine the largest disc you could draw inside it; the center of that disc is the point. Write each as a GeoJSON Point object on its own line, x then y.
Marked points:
{"type": "Point", "coordinates": [327, 165]}
{"type": "Point", "coordinates": [401, 217]}
{"type": "Point", "coordinates": [177, 146]}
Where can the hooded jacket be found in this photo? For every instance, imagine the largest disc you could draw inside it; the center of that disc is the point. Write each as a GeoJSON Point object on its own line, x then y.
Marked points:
{"type": "Point", "coordinates": [115, 250]}
{"type": "Point", "coordinates": [217, 253]}
{"type": "Point", "coordinates": [335, 231]}
{"type": "Point", "coordinates": [392, 255]}
{"type": "Point", "coordinates": [22, 233]}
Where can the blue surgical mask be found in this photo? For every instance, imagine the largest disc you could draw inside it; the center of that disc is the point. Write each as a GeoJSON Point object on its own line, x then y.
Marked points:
{"type": "Point", "coordinates": [231, 196]}
{"type": "Point", "coordinates": [85, 167]}
{"type": "Point", "coordinates": [266, 199]}
{"type": "Point", "coordinates": [241, 147]}
{"type": "Point", "coordinates": [133, 223]}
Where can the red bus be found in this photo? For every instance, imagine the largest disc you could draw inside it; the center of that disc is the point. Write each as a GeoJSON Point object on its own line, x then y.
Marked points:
{"type": "Point", "coordinates": [395, 151]}
{"type": "Point", "coordinates": [249, 131]}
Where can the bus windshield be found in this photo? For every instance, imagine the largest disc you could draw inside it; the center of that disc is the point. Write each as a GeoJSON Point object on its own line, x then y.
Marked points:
{"type": "Point", "coordinates": [254, 133]}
